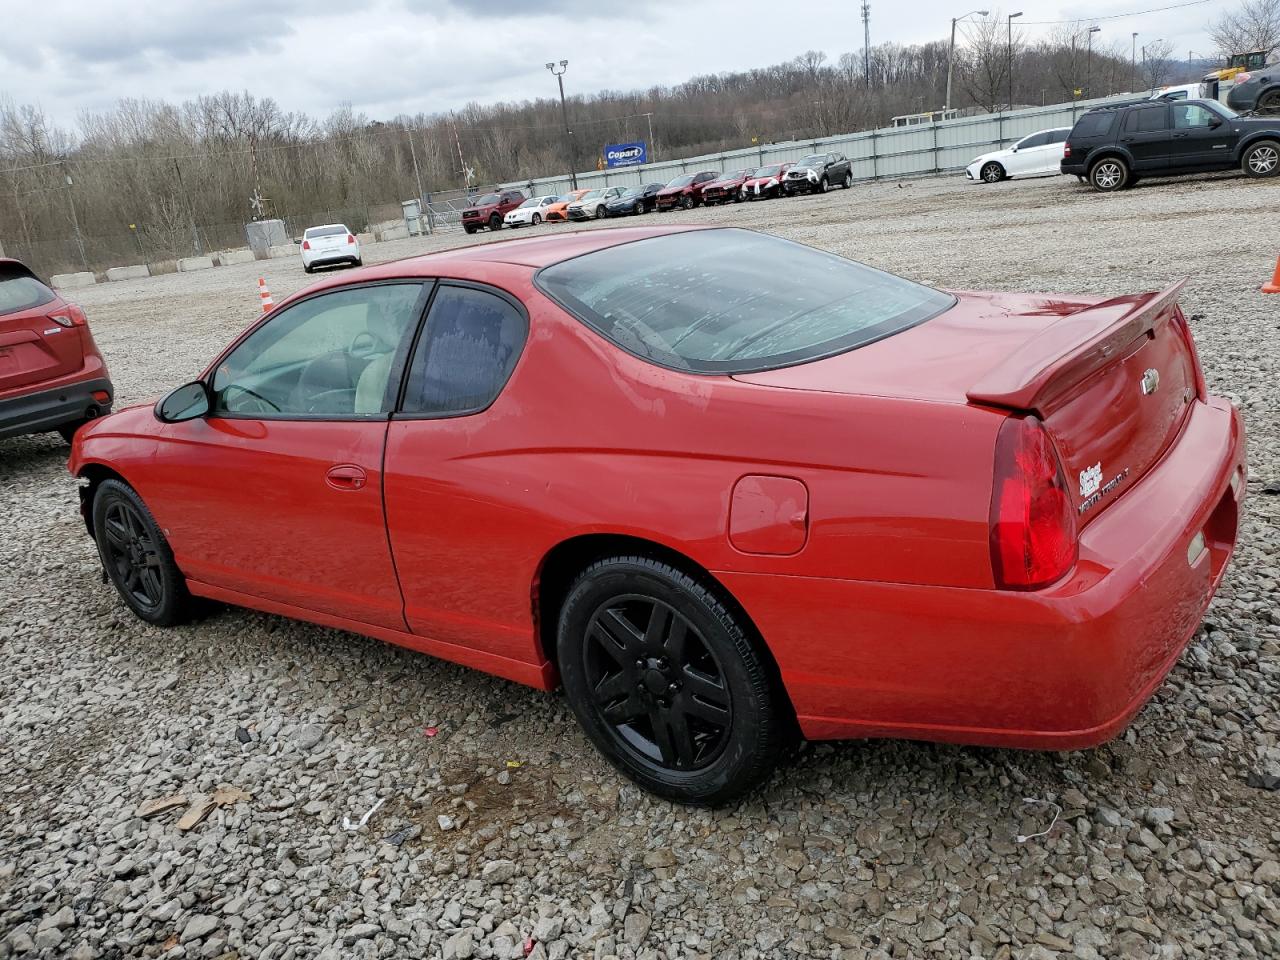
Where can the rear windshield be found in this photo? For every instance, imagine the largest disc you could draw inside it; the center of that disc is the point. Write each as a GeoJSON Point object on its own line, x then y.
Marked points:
{"type": "Point", "coordinates": [334, 231]}
{"type": "Point", "coordinates": [1094, 124]}
{"type": "Point", "coordinates": [734, 301]}
{"type": "Point", "coordinates": [18, 291]}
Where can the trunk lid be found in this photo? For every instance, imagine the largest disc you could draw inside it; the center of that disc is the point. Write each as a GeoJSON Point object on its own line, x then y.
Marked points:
{"type": "Point", "coordinates": [1112, 380]}
{"type": "Point", "coordinates": [33, 347]}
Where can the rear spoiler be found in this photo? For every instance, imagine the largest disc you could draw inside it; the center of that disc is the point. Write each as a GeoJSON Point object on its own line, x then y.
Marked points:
{"type": "Point", "coordinates": [1067, 351]}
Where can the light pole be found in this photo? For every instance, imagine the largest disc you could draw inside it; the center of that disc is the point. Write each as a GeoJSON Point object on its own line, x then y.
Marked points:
{"type": "Point", "coordinates": [1133, 62]}
{"type": "Point", "coordinates": [1088, 63]}
{"type": "Point", "coordinates": [1010, 25]}
{"type": "Point", "coordinates": [564, 116]}
{"type": "Point", "coordinates": [75, 221]}
{"type": "Point", "coordinates": [951, 54]}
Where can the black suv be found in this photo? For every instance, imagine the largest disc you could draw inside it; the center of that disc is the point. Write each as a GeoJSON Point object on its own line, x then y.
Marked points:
{"type": "Point", "coordinates": [1115, 145]}
{"type": "Point", "coordinates": [818, 172]}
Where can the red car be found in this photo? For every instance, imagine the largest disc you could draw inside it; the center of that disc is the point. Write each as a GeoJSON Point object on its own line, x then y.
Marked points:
{"type": "Point", "coordinates": [721, 486]}
{"type": "Point", "coordinates": [765, 183]}
{"type": "Point", "coordinates": [726, 189]}
{"type": "Point", "coordinates": [52, 376]}
{"type": "Point", "coordinates": [490, 209]}
{"type": "Point", "coordinates": [684, 191]}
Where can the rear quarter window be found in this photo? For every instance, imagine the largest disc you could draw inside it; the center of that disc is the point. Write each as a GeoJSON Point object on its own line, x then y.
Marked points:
{"type": "Point", "coordinates": [1093, 125]}
{"type": "Point", "coordinates": [734, 301]}
{"type": "Point", "coordinates": [21, 291]}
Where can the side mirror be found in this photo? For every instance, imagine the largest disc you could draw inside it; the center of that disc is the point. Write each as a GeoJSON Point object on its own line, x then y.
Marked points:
{"type": "Point", "coordinates": [1215, 123]}
{"type": "Point", "coordinates": [189, 402]}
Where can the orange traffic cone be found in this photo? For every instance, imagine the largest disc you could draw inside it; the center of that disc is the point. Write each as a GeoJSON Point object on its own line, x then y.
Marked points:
{"type": "Point", "coordinates": [1274, 285]}
{"type": "Point", "coordinates": [265, 295]}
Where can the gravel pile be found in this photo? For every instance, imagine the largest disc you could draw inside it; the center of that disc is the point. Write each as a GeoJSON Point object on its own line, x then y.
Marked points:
{"type": "Point", "coordinates": [188, 793]}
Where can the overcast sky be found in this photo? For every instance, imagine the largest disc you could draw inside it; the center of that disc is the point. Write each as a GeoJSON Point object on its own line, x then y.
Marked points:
{"type": "Point", "coordinates": [406, 56]}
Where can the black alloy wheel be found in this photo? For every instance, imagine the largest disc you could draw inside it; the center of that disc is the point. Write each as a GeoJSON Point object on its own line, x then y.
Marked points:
{"type": "Point", "coordinates": [666, 682]}
{"type": "Point", "coordinates": [137, 557]}
{"type": "Point", "coordinates": [495, 223]}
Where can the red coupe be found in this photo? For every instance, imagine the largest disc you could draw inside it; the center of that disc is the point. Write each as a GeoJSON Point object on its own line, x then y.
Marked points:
{"type": "Point", "coordinates": [721, 486]}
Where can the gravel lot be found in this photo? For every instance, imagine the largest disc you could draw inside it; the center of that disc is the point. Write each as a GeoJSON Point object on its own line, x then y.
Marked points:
{"type": "Point", "coordinates": [505, 827]}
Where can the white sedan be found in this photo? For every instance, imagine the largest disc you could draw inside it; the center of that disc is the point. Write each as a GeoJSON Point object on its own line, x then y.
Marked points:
{"type": "Point", "coordinates": [531, 212]}
{"type": "Point", "coordinates": [1038, 155]}
{"type": "Point", "coordinates": [592, 204]}
{"type": "Point", "coordinates": [329, 244]}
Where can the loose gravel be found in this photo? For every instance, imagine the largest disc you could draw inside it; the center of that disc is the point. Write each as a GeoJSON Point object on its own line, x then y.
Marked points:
{"type": "Point", "coordinates": [493, 830]}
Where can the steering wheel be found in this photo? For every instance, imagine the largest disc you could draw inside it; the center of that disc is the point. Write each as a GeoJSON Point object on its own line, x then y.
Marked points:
{"type": "Point", "coordinates": [260, 403]}
{"type": "Point", "coordinates": [363, 345]}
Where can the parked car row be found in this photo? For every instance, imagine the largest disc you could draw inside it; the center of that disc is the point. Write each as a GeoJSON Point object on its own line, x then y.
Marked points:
{"type": "Point", "coordinates": [1114, 145]}
{"type": "Point", "coordinates": [816, 173]}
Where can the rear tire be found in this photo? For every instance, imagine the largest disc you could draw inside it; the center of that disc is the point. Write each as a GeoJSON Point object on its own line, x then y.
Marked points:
{"type": "Point", "coordinates": [1269, 104]}
{"type": "Point", "coordinates": [68, 430]}
{"type": "Point", "coordinates": [306, 269]}
{"type": "Point", "coordinates": [137, 557]}
{"type": "Point", "coordinates": [848, 180]}
{"type": "Point", "coordinates": [1109, 175]}
{"type": "Point", "coordinates": [1262, 159]}
{"type": "Point", "coordinates": [667, 683]}
{"type": "Point", "coordinates": [992, 173]}
{"type": "Point", "coordinates": [537, 219]}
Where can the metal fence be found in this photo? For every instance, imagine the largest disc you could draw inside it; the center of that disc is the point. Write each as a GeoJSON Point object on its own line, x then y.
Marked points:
{"type": "Point", "coordinates": [888, 152]}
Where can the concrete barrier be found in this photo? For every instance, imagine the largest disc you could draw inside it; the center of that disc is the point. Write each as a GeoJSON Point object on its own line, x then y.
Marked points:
{"type": "Point", "coordinates": [136, 271]}
{"type": "Point", "coordinates": [187, 264]}
{"type": "Point", "coordinates": [364, 238]}
{"type": "Point", "coordinates": [399, 232]}
{"type": "Point", "coordinates": [283, 250]}
{"type": "Point", "coordinates": [228, 257]}
{"type": "Point", "coordinates": [70, 281]}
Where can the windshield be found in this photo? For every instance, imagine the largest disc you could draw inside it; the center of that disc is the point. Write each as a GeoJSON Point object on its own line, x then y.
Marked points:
{"type": "Point", "coordinates": [632, 193]}
{"type": "Point", "coordinates": [768, 171]}
{"type": "Point", "coordinates": [535, 201]}
{"type": "Point", "coordinates": [593, 195]}
{"type": "Point", "coordinates": [737, 175]}
{"type": "Point", "coordinates": [734, 301]}
{"type": "Point", "coordinates": [1222, 109]}
{"type": "Point", "coordinates": [21, 292]}
{"type": "Point", "coordinates": [813, 160]}
{"type": "Point", "coordinates": [680, 182]}
{"type": "Point", "coordinates": [335, 230]}
{"type": "Point", "coordinates": [486, 200]}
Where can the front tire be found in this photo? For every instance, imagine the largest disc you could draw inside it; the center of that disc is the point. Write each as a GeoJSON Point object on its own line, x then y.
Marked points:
{"type": "Point", "coordinates": [848, 180]}
{"type": "Point", "coordinates": [1262, 159]}
{"type": "Point", "coordinates": [470, 229]}
{"type": "Point", "coordinates": [667, 683]}
{"type": "Point", "coordinates": [495, 223]}
{"type": "Point", "coordinates": [137, 557]}
{"type": "Point", "coordinates": [824, 184]}
{"type": "Point", "coordinates": [992, 173]}
{"type": "Point", "coordinates": [687, 202]}
{"type": "Point", "coordinates": [1109, 175]}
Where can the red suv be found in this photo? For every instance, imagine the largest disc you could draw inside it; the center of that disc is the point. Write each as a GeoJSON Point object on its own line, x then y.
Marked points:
{"type": "Point", "coordinates": [685, 191]}
{"type": "Point", "coordinates": [51, 374]}
{"type": "Point", "coordinates": [489, 210]}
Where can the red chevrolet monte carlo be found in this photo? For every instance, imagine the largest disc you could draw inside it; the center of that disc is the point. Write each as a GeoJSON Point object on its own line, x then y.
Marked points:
{"type": "Point", "coordinates": [719, 485]}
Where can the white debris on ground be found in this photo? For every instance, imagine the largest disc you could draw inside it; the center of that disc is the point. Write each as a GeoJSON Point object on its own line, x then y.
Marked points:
{"type": "Point", "coordinates": [1168, 843]}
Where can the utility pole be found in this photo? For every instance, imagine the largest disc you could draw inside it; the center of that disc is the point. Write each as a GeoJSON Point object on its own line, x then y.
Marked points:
{"type": "Point", "coordinates": [75, 221]}
{"type": "Point", "coordinates": [653, 148]}
{"type": "Point", "coordinates": [866, 40]}
{"type": "Point", "coordinates": [417, 178]}
{"type": "Point", "coordinates": [1133, 63]}
{"type": "Point", "coordinates": [1088, 64]}
{"type": "Point", "coordinates": [951, 54]}
{"type": "Point", "coordinates": [462, 164]}
{"type": "Point", "coordinates": [1009, 105]}
{"type": "Point", "coordinates": [564, 116]}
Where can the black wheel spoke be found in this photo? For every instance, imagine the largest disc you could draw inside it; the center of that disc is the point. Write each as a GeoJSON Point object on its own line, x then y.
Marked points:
{"type": "Point", "coordinates": [707, 710]}
{"type": "Point", "coordinates": [655, 633]}
{"type": "Point", "coordinates": [626, 710]}
{"type": "Point", "coordinates": [620, 635]}
{"type": "Point", "coordinates": [681, 737]}
{"type": "Point", "coordinates": [662, 736]}
{"type": "Point", "coordinates": [117, 534]}
{"type": "Point", "coordinates": [611, 688]}
{"type": "Point", "coordinates": [675, 640]}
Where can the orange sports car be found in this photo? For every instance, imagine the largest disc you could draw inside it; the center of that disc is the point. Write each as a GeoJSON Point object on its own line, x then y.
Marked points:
{"type": "Point", "coordinates": [556, 213]}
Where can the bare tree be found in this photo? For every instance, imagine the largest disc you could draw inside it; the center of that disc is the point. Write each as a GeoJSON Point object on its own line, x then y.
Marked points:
{"type": "Point", "coordinates": [1155, 63]}
{"type": "Point", "coordinates": [984, 62]}
{"type": "Point", "coordinates": [1254, 26]}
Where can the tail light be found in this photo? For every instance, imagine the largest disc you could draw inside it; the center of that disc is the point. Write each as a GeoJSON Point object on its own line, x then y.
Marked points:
{"type": "Point", "coordinates": [351, 238]}
{"type": "Point", "coordinates": [1066, 150]}
{"type": "Point", "coordinates": [1033, 527]}
{"type": "Point", "coordinates": [1184, 328]}
{"type": "Point", "coordinates": [306, 244]}
{"type": "Point", "coordinates": [73, 316]}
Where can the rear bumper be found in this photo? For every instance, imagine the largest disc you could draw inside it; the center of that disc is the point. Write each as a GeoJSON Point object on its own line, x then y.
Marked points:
{"type": "Point", "coordinates": [49, 408]}
{"type": "Point", "coordinates": [1062, 668]}
{"type": "Point", "coordinates": [1241, 99]}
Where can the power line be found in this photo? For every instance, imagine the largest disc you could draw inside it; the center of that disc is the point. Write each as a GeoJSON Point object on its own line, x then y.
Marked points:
{"type": "Point", "coordinates": [1119, 16]}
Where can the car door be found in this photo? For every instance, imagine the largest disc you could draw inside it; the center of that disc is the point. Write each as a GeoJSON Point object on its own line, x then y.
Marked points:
{"type": "Point", "coordinates": [1200, 137]}
{"type": "Point", "coordinates": [457, 489]}
{"type": "Point", "coordinates": [1024, 156]}
{"type": "Point", "coordinates": [1145, 134]}
{"type": "Point", "coordinates": [277, 493]}
{"type": "Point", "coordinates": [1051, 154]}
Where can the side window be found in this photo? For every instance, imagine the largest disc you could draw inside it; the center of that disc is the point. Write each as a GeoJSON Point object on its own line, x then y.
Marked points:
{"type": "Point", "coordinates": [466, 353]}
{"type": "Point", "coordinates": [1147, 120]}
{"type": "Point", "coordinates": [1095, 124]}
{"type": "Point", "coordinates": [1058, 136]}
{"type": "Point", "coordinates": [1192, 116]}
{"type": "Point", "coordinates": [329, 356]}
{"type": "Point", "coordinates": [1035, 140]}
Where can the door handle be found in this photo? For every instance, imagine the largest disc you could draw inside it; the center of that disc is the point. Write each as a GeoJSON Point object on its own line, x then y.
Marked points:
{"type": "Point", "coordinates": [346, 476]}
{"type": "Point", "coordinates": [1181, 136]}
